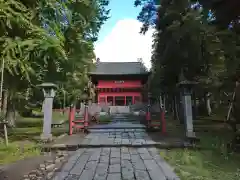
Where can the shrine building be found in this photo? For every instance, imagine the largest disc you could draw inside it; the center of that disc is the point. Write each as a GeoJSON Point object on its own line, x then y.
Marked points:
{"type": "Point", "coordinates": [120, 83]}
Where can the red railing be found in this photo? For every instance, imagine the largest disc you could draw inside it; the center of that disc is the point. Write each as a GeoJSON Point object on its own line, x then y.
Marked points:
{"type": "Point", "coordinates": [160, 120]}
{"type": "Point", "coordinates": [75, 122]}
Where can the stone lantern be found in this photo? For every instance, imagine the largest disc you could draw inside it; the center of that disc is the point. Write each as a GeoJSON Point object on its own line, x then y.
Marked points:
{"type": "Point", "coordinates": [186, 91]}
{"type": "Point", "coordinates": [86, 98]}
{"type": "Point", "coordinates": [49, 90]}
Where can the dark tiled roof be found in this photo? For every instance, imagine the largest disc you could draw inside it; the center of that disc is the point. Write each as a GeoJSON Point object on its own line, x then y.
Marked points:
{"type": "Point", "coordinates": [120, 68]}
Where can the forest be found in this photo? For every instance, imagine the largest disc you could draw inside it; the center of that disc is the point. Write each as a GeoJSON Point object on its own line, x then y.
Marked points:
{"type": "Point", "coordinates": [198, 41]}
{"type": "Point", "coordinates": [46, 41]}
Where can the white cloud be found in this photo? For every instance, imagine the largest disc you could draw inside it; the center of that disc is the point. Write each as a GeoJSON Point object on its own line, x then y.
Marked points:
{"type": "Point", "coordinates": [126, 44]}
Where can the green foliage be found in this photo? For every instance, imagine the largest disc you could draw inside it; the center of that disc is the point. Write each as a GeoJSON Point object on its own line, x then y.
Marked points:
{"type": "Point", "coordinates": [48, 41]}
{"type": "Point", "coordinates": [189, 42]}
{"type": "Point", "coordinates": [21, 40]}
{"type": "Point", "coordinates": [104, 119]}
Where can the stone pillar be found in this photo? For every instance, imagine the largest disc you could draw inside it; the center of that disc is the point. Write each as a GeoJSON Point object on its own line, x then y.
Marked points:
{"type": "Point", "coordinates": [188, 118]}
{"type": "Point", "coordinates": [181, 108]}
{"type": "Point", "coordinates": [186, 93]}
{"type": "Point", "coordinates": [47, 122]}
{"type": "Point", "coordinates": [49, 93]}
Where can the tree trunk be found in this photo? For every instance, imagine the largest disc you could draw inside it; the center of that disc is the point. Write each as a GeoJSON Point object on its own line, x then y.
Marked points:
{"type": "Point", "coordinates": [11, 112]}
{"type": "Point", "coordinates": [5, 102]}
{"type": "Point", "coordinates": [208, 104]}
{"type": "Point", "coordinates": [181, 109]}
{"type": "Point", "coordinates": [195, 108]}
{"type": "Point", "coordinates": [175, 111]}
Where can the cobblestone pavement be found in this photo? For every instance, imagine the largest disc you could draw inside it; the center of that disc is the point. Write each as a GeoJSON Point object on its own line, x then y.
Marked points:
{"type": "Point", "coordinates": [122, 130]}
{"type": "Point", "coordinates": [116, 163]}
{"type": "Point", "coordinates": [118, 136]}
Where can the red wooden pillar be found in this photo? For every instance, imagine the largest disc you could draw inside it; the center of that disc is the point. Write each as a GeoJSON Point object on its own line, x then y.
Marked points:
{"type": "Point", "coordinates": [86, 118]}
{"type": "Point", "coordinates": [148, 117]}
{"type": "Point", "coordinates": [125, 101]}
{"type": "Point", "coordinates": [71, 119]}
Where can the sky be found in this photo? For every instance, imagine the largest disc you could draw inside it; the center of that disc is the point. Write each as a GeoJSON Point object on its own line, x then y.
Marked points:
{"type": "Point", "coordinates": [119, 38]}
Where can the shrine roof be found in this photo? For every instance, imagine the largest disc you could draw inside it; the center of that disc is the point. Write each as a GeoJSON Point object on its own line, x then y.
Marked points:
{"type": "Point", "coordinates": [119, 68]}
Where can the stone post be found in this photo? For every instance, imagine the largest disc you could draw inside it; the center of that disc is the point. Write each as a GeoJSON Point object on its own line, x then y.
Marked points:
{"type": "Point", "coordinates": [49, 93]}
{"type": "Point", "coordinates": [86, 98]}
{"type": "Point", "coordinates": [181, 108]}
{"type": "Point", "coordinates": [148, 113]}
{"type": "Point", "coordinates": [186, 90]}
{"type": "Point", "coordinates": [161, 100]}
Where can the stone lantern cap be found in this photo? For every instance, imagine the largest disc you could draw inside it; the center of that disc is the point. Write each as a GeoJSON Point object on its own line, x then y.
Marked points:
{"type": "Point", "coordinates": [186, 83]}
{"type": "Point", "coordinates": [48, 89]}
{"type": "Point", "coordinates": [48, 85]}
{"type": "Point", "coordinates": [186, 86]}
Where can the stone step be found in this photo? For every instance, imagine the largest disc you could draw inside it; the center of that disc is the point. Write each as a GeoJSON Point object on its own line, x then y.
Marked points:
{"type": "Point", "coordinates": [122, 130]}
{"type": "Point", "coordinates": [117, 127]}
{"type": "Point", "coordinates": [161, 145]}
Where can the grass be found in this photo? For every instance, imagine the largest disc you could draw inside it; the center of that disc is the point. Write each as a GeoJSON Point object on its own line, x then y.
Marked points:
{"type": "Point", "coordinates": [29, 128]}
{"type": "Point", "coordinates": [38, 121]}
{"type": "Point", "coordinates": [31, 133]}
{"type": "Point", "coordinates": [104, 119]}
{"type": "Point", "coordinates": [23, 140]}
{"type": "Point", "coordinates": [219, 114]}
{"type": "Point", "coordinates": [17, 151]}
{"type": "Point", "coordinates": [203, 165]}
{"type": "Point", "coordinates": [215, 163]}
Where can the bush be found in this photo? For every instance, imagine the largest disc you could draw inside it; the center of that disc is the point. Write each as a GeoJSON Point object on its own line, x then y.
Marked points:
{"type": "Point", "coordinates": [104, 119]}
{"type": "Point", "coordinates": [30, 122]}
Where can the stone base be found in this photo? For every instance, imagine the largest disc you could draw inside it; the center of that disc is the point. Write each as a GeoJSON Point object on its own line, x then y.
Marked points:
{"type": "Point", "coordinates": [46, 138]}
{"type": "Point", "coordinates": [191, 136]}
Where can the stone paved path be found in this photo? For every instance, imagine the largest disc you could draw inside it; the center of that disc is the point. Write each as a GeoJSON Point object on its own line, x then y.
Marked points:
{"type": "Point", "coordinates": [124, 137]}
{"type": "Point", "coordinates": [116, 163]}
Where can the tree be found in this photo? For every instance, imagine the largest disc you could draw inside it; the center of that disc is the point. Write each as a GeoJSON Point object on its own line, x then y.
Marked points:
{"type": "Point", "coordinates": [46, 41]}
{"type": "Point", "coordinates": [225, 12]}
{"type": "Point", "coordinates": [183, 41]}
{"type": "Point", "coordinates": [199, 39]}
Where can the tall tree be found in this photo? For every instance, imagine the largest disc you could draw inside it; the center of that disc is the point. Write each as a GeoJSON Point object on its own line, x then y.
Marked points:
{"type": "Point", "coordinates": [183, 42]}
{"type": "Point", "coordinates": [47, 41]}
